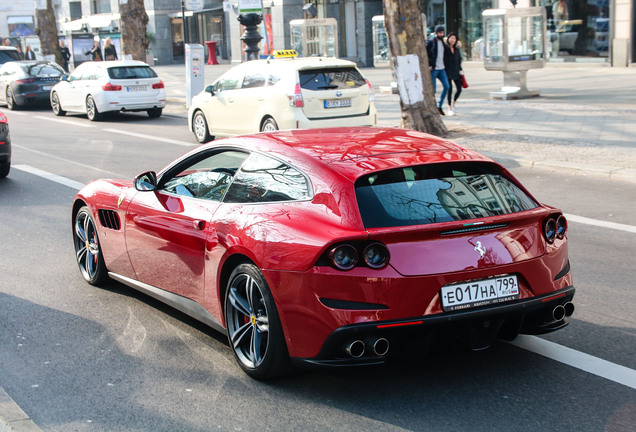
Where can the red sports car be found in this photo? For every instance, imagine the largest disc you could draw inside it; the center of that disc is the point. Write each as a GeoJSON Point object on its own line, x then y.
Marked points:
{"type": "Point", "coordinates": [333, 246]}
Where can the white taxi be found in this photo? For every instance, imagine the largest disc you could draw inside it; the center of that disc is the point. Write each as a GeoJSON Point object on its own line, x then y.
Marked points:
{"type": "Point", "coordinates": [283, 93]}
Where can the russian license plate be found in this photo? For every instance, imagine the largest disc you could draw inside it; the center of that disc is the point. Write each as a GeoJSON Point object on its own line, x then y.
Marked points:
{"type": "Point", "coordinates": [337, 103]}
{"type": "Point", "coordinates": [479, 293]}
{"type": "Point", "coordinates": [47, 87]}
{"type": "Point", "coordinates": [136, 88]}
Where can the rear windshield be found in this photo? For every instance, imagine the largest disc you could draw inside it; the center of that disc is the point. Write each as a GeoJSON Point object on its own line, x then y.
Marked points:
{"type": "Point", "coordinates": [131, 72]}
{"type": "Point", "coordinates": [9, 55]}
{"type": "Point", "coordinates": [428, 194]}
{"type": "Point", "coordinates": [331, 78]}
{"type": "Point", "coordinates": [43, 70]}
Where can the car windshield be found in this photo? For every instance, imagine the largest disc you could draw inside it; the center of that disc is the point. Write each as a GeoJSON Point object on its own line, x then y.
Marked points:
{"type": "Point", "coordinates": [131, 72]}
{"type": "Point", "coordinates": [43, 70]}
{"type": "Point", "coordinates": [9, 55]}
{"type": "Point", "coordinates": [331, 78]}
{"type": "Point", "coordinates": [436, 193]}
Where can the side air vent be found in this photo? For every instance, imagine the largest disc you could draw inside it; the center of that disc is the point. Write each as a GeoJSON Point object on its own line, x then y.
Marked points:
{"type": "Point", "coordinates": [474, 228]}
{"type": "Point", "coordinates": [109, 219]}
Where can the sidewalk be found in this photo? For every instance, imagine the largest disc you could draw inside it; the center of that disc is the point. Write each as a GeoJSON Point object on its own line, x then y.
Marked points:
{"type": "Point", "coordinates": [584, 122]}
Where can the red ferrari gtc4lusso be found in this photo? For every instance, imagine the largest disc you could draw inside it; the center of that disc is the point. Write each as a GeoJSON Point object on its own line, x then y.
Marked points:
{"type": "Point", "coordinates": [333, 246]}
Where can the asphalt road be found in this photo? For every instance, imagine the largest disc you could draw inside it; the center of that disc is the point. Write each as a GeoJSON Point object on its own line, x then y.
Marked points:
{"type": "Point", "coordinates": [79, 358]}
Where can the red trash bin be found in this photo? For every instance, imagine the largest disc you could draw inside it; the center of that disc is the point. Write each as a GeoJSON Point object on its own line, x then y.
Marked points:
{"type": "Point", "coordinates": [212, 53]}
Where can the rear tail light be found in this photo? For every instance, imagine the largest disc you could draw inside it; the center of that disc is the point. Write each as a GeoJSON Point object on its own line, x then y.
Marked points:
{"type": "Point", "coordinates": [554, 227]}
{"type": "Point", "coordinates": [345, 256]}
{"type": "Point", "coordinates": [371, 95]}
{"type": "Point", "coordinates": [25, 81]}
{"type": "Point", "coordinates": [376, 255]}
{"type": "Point", "coordinates": [158, 85]}
{"type": "Point", "coordinates": [3, 118]}
{"type": "Point", "coordinates": [296, 100]}
{"type": "Point", "coordinates": [111, 87]}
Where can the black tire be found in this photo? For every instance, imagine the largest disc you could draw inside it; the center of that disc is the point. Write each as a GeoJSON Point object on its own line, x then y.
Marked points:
{"type": "Point", "coordinates": [200, 128]}
{"type": "Point", "coordinates": [269, 125]}
{"type": "Point", "coordinates": [11, 103]}
{"type": "Point", "coordinates": [154, 112]}
{"type": "Point", "coordinates": [253, 326]}
{"type": "Point", "coordinates": [91, 110]}
{"type": "Point", "coordinates": [88, 251]}
{"type": "Point", "coordinates": [56, 106]}
{"type": "Point", "coordinates": [4, 169]}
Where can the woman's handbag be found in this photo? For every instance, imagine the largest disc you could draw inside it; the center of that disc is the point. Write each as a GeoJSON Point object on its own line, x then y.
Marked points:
{"type": "Point", "coordinates": [464, 82]}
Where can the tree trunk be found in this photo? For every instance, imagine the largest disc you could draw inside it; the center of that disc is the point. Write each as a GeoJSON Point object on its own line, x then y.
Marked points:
{"type": "Point", "coordinates": [407, 43]}
{"type": "Point", "coordinates": [46, 30]}
{"type": "Point", "coordinates": [134, 20]}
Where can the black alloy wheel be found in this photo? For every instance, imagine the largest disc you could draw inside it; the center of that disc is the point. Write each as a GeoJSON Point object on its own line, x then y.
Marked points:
{"type": "Point", "coordinates": [55, 105]}
{"type": "Point", "coordinates": [87, 249]}
{"type": "Point", "coordinates": [91, 109]}
{"type": "Point", "coordinates": [269, 125]}
{"type": "Point", "coordinates": [253, 326]}
{"type": "Point", "coordinates": [200, 128]}
{"type": "Point", "coordinates": [11, 103]}
{"type": "Point", "coordinates": [154, 112]}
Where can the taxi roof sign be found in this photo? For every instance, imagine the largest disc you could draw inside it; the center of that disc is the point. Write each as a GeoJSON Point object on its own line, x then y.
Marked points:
{"type": "Point", "coordinates": [285, 53]}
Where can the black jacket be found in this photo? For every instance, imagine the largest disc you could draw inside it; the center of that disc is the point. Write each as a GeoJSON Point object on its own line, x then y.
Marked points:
{"type": "Point", "coordinates": [431, 50]}
{"type": "Point", "coordinates": [452, 62]}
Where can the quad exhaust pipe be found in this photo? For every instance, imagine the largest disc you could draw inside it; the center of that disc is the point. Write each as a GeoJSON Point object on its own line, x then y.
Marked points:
{"type": "Point", "coordinates": [357, 348]}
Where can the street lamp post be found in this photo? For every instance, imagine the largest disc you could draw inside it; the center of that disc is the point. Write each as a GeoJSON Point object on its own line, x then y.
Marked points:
{"type": "Point", "coordinates": [251, 36]}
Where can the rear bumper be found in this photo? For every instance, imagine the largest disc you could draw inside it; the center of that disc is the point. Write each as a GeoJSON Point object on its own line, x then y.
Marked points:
{"type": "Point", "coordinates": [32, 98]}
{"type": "Point", "coordinates": [474, 329]}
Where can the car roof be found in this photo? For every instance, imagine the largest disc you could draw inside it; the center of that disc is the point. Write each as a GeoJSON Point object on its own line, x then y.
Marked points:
{"type": "Point", "coordinates": [356, 151]}
{"type": "Point", "coordinates": [116, 63]}
{"type": "Point", "coordinates": [7, 48]}
{"type": "Point", "coordinates": [298, 63]}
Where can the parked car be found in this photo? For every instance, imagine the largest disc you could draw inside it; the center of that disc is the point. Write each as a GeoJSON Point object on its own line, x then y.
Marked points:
{"type": "Point", "coordinates": [95, 88]}
{"type": "Point", "coordinates": [5, 146]}
{"type": "Point", "coordinates": [8, 53]}
{"type": "Point", "coordinates": [333, 247]}
{"type": "Point", "coordinates": [283, 93]}
{"type": "Point", "coordinates": [28, 82]}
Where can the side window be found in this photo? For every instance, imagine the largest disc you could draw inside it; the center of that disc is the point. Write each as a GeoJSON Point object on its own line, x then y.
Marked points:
{"type": "Point", "coordinates": [204, 176]}
{"type": "Point", "coordinates": [229, 81]}
{"type": "Point", "coordinates": [264, 179]}
{"type": "Point", "coordinates": [253, 79]}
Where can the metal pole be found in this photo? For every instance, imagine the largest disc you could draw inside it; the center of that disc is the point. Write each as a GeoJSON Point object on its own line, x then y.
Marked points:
{"type": "Point", "coordinates": [183, 24]}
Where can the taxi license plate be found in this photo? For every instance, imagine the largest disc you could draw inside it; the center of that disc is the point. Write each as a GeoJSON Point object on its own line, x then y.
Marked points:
{"type": "Point", "coordinates": [479, 293]}
{"type": "Point", "coordinates": [136, 88]}
{"type": "Point", "coordinates": [337, 103]}
{"type": "Point", "coordinates": [47, 87]}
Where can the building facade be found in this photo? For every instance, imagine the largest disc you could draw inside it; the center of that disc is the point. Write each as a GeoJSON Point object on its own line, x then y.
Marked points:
{"type": "Point", "coordinates": [578, 30]}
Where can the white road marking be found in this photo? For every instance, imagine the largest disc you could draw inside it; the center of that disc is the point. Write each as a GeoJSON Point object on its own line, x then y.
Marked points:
{"type": "Point", "coordinates": [594, 365]}
{"type": "Point", "coordinates": [49, 176]}
{"type": "Point", "coordinates": [52, 156]}
{"type": "Point", "coordinates": [151, 137]}
{"type": "Point", "coordinates": [69, 122]}
{"type": "Point", "coordinates": [600, 223]}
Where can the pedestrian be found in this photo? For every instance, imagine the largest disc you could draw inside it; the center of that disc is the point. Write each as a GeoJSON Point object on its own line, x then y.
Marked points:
{"type": "Point", "coordinates": [110, 52]}
{"type": "Point", "coordinates": [435, 48]}
{"type": "Point", "coordinates": [66, 55]}
{"type": "Point", "coordinates": [454, 71]}
{"type": "Point", "coordinates": [95, 52]}
{"type": "Point", "coordinates": [29, 54]}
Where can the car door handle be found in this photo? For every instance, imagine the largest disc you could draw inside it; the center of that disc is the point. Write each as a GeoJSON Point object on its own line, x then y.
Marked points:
{"type": "Point", "coordinates": [199, 224]}
{"type": "Point", "coordinates": [260, 99]}
{"type": "Point", "coordinates": [230, 100]}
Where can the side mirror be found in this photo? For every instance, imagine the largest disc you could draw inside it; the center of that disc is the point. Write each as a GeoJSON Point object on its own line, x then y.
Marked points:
{"type": "Point", "coordinates": [64, 77]}
{"type": "Point", "coordinates": [146, 181]}
{"type": "Point", "coordinates": [210, 89]}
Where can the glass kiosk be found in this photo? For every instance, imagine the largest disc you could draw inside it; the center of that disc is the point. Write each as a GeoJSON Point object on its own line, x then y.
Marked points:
{"type": "Point", "coordinates": [381, 57]}
{"type": "Point", "coordinates": [315, 37]}
{"type": "Point", "coordinates": [515, 41]}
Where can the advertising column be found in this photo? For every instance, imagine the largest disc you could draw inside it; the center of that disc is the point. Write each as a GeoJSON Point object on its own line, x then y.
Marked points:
{"type": "Point", "coordinates": [194, 63]}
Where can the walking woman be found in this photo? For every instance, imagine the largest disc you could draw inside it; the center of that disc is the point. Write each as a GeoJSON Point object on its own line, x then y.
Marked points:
{"type": "Point", "coordinates": [453, 65]}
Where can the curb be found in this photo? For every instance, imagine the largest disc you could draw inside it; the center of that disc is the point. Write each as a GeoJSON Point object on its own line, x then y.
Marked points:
{"type": "Point", "coordinates": [12, 418]}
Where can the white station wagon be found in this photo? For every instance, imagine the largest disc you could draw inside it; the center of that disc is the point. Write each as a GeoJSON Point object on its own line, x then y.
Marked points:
{"type": "Point", "coordinates": [95, 88]}
{"type": "Point", "coordinates": [283, 93]}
